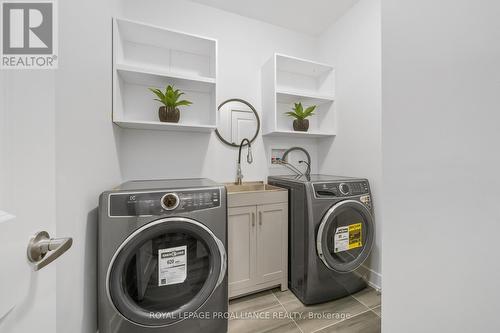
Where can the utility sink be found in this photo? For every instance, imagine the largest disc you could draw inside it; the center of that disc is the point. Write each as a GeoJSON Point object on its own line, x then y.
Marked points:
{"type": "Point", "coordinates": [254, 193]}
{"type": "Point", "coordinates": [251, 187]}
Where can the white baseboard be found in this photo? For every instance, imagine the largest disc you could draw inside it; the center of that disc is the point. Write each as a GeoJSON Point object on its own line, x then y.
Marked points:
{"type": "Point", "coordinates": [373, 278]}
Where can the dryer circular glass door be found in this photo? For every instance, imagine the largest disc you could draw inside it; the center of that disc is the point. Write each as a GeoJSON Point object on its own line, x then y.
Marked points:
{"type": "Point", "coordinates": [165, 270]}
{"type": "Point", "coordinates": [345, 236]}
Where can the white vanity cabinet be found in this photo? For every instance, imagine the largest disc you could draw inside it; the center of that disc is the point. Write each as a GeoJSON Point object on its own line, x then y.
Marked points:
{"type": "Point", "coordinates": [257, 242]}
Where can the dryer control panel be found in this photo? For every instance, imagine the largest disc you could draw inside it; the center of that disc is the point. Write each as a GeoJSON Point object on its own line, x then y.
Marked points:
{"type": "Point", "coordinates": [341, 189]}
{"type": "Point", "coordinates": [162, 202]}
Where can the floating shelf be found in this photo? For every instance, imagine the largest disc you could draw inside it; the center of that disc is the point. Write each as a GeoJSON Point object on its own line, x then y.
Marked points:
{"type": "Point", "coordinates": [141, 77]}
{"type": "Point", "coordinates": [147, 56]}
{"type": "Point", "coordinates": [297, 134]}
{"type": "Point", "coordinates": [162, 126]}
{"type": "Point", "coordinates": [290, 64]}
{"type": "Point", "coordinates": [138, 74]}
{"type": "Point", "coordinates": [290, 97]}
{"type": "Point", "coordinates": [287, 80]}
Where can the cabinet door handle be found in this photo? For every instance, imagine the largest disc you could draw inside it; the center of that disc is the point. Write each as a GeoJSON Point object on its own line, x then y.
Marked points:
{"type": "Point", "coordinates": [260, 218]}
{"type": "Point", "coordinates": [253, 219]}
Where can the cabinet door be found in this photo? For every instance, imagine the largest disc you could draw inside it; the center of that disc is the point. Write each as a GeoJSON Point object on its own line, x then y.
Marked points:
{"type": "Point", "coordinates": [272, 242]}
{"type": "Point", "coordinates": [241, 248]}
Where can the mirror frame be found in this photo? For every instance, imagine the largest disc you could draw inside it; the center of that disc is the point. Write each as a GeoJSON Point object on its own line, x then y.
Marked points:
{"type": "Point", "coordinates": [256, 117]}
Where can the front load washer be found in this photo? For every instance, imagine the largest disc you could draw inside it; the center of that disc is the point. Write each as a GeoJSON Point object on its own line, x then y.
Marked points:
{"type": "Point", "coordinates": [331, 233]}
{"type": "Point", "coordinates": [162, 257]}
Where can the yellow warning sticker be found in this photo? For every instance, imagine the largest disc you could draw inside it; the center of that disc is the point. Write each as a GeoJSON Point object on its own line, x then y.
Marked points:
{"type": "Point", "coordinates": [348, 237]}
{"type": "Point", "coordinates": [355, 240]}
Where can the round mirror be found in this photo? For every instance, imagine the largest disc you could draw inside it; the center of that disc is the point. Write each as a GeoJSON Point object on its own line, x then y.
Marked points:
{"type": "Point", "coordinates": [237, 120]}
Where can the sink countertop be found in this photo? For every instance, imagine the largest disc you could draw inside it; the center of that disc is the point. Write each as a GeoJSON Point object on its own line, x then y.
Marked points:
{"type": "Point", "coordinates": [254, 193]}
{"type": "Point", "coordinates": [251, 187]}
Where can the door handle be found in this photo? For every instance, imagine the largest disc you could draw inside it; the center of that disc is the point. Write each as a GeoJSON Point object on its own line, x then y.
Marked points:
{"type": "Point", "coordinates": [42, 250]}
{"type": "Point", "coordinates": [260, 218]}
{"type": "Point", "coordinates": [253, 219]}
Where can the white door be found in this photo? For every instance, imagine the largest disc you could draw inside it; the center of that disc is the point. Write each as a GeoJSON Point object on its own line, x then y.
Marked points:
{"type": "Point", "coordinates": [27, 198]}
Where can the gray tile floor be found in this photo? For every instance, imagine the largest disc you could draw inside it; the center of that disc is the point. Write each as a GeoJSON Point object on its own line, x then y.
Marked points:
{"type": "Point", "coordinates": [274, 311]}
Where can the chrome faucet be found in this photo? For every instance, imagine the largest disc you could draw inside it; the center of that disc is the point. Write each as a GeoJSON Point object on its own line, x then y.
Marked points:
{"type": "Point", "coordinates": [239, 175]}
{"type": "Point", "coordinates": [283, 161]}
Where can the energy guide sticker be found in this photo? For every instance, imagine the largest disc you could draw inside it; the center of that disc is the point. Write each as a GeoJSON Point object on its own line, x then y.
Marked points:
{"type": "Point", "coordinates": [172, 265]}
{"type": "Point", "coordinates": [348, 237]}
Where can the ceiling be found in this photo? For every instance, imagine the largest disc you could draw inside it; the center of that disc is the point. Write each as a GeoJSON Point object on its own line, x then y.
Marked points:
{"type": "Point", "coordinates": [311, 17]}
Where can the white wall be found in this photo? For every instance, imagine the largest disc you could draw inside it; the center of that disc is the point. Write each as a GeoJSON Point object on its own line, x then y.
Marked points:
{"type": "Point", "coordinates": [441, 130]}
{"type": "Point", "coordinates": [4, 174]}
{"type": "Point", "coordinates": [86, 153]}
{"type": "Point", "coordinates": [244, 45]}
{"type": "Point", "coordinates": [353, 46]}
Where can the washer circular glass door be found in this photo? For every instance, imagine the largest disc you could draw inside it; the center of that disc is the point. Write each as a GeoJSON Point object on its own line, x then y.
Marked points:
{"type": "Point", "coordinates": [345, 236]}
{"type": "Point", "coordinates": [165, 270]}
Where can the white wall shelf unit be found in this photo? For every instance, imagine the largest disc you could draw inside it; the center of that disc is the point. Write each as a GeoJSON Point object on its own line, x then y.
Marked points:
{"type": "Point", "coordinates": [287, 80]}
{"type": "Point", "coordinates": [146, 56]}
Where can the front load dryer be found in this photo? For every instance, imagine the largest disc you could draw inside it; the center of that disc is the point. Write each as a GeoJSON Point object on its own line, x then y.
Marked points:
{"type": "Point", "coordinates": [331, 233]}
{"type": "Point", "coordinates": [162, 263]}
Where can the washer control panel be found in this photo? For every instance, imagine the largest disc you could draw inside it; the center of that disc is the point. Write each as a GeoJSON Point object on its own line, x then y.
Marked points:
{"type": "Point", "coordinates": [367, 200]}
{"type": "Point", "coordinates": [158, 203]}
{"type": "Point", "coordinates": [340, 189]}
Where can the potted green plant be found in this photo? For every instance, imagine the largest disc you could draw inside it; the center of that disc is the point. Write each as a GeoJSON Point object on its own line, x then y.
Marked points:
{"type": "Point", "coordinates": [300, 122]}
{"type": "Point", "coordinates": [169, 112]}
